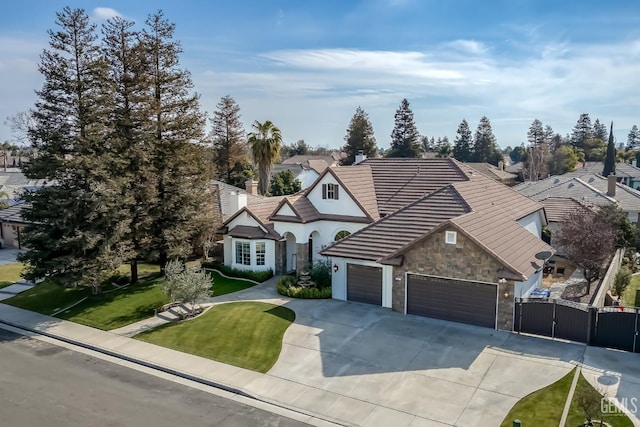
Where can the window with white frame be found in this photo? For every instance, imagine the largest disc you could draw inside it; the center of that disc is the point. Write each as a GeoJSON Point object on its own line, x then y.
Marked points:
{"type": "Point", "coordinates": [243, 253]}
{"type": "Point", "coordinates": [261, 249]}
{"type": "Point", "coordinates": [451, 237]}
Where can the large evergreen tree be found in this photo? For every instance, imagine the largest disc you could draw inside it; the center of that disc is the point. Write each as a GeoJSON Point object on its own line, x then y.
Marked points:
{"type": "Point", "coordinates": [484, 143]}
{"type": "Point", "coordinates": [600, 131]}
{"type": "Point", "coordinates": [463, 144]}
{"type": "Point", "coordinates": [228, 138]}
{"type": "Point", "coordinates": [175, 124]}
{"type": "Point", "coordinates": [633, 139]}
{"type": "Point", "coordinates": [582, 131]}
{"type": "Point", "coordinates": [77, 224]}
{"type": "Point", "coordinates": [610, 160]}
{"type": "Point", "coordinates": [405, 139]}
{"type": "Point", "coordinates": [359, 137]}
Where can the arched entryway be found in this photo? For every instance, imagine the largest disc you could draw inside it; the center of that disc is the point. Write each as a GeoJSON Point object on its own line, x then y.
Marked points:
{"type": "Point", "coordinates": [314, 248]}
{"type": "Point", "coordinates": [290, 252]}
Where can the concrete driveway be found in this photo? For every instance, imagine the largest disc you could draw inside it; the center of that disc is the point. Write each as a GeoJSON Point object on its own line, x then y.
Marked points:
{"type": "Point", "coordinates": [384, 368]}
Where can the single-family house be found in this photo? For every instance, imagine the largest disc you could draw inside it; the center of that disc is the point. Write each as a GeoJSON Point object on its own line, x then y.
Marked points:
{"type": "Point", "coordinates": [627, 174]}
{"type": "Point", "coordinates": [431, 237]}
{"type": "Point", "coordinates": [495, 172]}
{"type": "Point", "coordinates": [11, 225]}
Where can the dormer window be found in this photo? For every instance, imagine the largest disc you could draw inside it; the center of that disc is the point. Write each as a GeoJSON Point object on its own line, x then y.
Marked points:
{"type": "Point", "coordinates": [330, 191]}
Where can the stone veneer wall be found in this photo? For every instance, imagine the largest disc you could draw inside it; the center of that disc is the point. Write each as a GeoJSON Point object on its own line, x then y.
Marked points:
{"type": "Point", "coordinates": [302, 257]}
{"type": "Point", "coordinates": [464, 260]}
{"type": "Point", "coordinates": [281, 257]}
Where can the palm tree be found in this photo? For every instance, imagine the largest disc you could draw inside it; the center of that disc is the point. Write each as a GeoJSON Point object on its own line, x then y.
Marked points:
{"type": "Point", "coordinates": [265, 142]}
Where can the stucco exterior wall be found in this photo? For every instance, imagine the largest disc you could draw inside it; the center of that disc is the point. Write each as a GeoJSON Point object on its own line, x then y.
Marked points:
{"type": "Point", "coordinates": [270, 254]}
{"type": "Point", "coordinates": [533, 223]}
{"type": "Point", "coordinates": [345, 205]}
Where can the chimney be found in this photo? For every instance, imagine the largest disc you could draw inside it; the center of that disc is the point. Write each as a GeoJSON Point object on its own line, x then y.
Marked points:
{"type": "Point", "coordinates": [238, 201]}
{"type": "Point", "coordinates": [611, 186]}
{"type": "Point", "coordinates": [252, 187]}
{"type": "Point", "coordinates": [360, 157]}
{"type": "Point", "coordinates": [501, 165]}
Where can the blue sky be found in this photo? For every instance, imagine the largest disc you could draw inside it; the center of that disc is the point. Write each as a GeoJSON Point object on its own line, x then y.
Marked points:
{"type": "Point", "coordinates": [307, 65]}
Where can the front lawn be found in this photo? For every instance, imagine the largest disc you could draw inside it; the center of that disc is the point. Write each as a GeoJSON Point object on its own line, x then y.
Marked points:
{"type": "Point", "coordinates": [112, 310]}
{"type": "Point", "coordinates": [10, 273]}
{"type": "Point", "coordinates": [629, 294]}
{"type": "Point", "coordinates": [244, 334]}
{"type": "Point", "coordinates": [47, 298]}
{"type": "Point", "coordinates": [542, 407]}
{"type": "Point", "coordinates": [575, 417]}
{"type": "Point", "coordinates": [224, 285]}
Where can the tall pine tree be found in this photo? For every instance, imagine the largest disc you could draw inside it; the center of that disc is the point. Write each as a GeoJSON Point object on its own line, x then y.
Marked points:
{"type": "Point", "coordinates": [600, 130]}
{"type": "Point", "coordinates": [405, 139]}
{"type": "Point", "coordinates": [536, 133]}
{"type": "Point", "coordinates": [463, 144]}
{"type": "Point", "coordinates": [582, 132]}
{"type": "Point", "coordinates": [228, 138]}
{"type": "Point", "coordinates": [77, 224]}
{"type": "Point", "coordinates": [610, 160]}
{"type": "Point", "coordinates": [484, 143]}
{"type": "Point", "coordinates": [359, 137]}
{"type": "Point", "coordinates": [633, 139]}
{"type": "Point", "coordinates": [176, 125]}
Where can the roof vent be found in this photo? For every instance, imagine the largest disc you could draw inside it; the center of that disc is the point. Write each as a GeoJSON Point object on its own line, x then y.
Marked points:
{"type": "Point", "coordinates": [570, 185]}
{"type": "Point", "coordinates": [557, 180]}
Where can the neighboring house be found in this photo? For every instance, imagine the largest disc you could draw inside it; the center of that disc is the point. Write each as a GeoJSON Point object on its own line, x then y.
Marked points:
{"type": "Point", "coordinates": [13, 182]}
{"type": "Point", "coordinates": [495, 172]}
{"type": "Point", "coordinates": [586, 188]}
{"type": "Point", "coordinates": [627, 174]}
{"type": "Point", "coordinates": [11, 225]}
{"type": "Point", "coordinates": [230, 199]}
{"type": "Point", "coordinates": [431, 237]}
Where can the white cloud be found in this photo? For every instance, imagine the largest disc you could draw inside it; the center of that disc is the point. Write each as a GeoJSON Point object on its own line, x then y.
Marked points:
{"type": "Point", "coordinates": [468, 46]}
{"type": "Point", "coordinates": [105, 13]}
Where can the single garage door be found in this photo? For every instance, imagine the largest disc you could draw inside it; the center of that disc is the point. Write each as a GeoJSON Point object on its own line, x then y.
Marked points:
{"type": "Point", "coordinates": [450, 299]}
{"type": "Point", "coordinates": [364, 284]}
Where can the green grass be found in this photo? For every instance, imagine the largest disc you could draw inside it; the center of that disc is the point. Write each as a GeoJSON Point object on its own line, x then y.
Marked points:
{"type": "Point", "coordinates": [576, 418]}
{"type": "Point", "coordinates": [10, 273]}
{"type": "Point", "coordinates": [629, 294]}
{"type": "Point", "coordinates": [119, 308]}
{"type": "Point", "coordinates": [244, 334]}
{"type": "Point", "coordinates": [223, 285]}
{"type": "Point", "coordinates": [543, 407]}
{"type": "Point", "coordinates": [144, 269]}
{"type": "Point", "coordinates": [47, 298]}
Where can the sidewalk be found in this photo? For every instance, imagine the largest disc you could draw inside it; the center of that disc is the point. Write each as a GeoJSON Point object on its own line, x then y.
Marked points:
{"type": "Point", "coordinates": [263, 387]}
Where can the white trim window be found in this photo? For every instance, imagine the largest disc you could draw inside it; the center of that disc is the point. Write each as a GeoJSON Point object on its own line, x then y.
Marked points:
{"type": "Point", "coordinates": [330, 191]}
{"type": "Point", "coordinates": [261, 250]}
{"type": "Point", "coordinates": [243, 253]}
{"type": "Point", "coordinates": [450, 237]}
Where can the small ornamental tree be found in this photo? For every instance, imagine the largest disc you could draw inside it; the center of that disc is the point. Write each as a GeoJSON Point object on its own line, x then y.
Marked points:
{"type": "Point", "coordinates": [189, 285]}
{"type": "Point", "coordinates": [588, 240]}
{"type": "Point", "coordinates": [284, 183]}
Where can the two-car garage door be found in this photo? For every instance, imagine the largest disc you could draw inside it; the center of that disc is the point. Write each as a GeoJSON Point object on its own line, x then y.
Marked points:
{"type": "Point", "coordinates": [450, 299]}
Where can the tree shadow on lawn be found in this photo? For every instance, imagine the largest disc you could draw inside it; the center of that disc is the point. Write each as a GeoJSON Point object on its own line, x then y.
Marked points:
{"type": "Point", "coordinates": [283, 313]}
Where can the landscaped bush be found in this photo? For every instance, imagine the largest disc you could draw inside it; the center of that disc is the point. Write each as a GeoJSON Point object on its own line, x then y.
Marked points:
{"type": "Point", "coordinates": [622, 280]}
{"type": "Point", "coordinates": [287, 287]}
{"type": "Point", "coordinates": [321, 274]}
{"type": "Point", "coordinates": [258, 276]}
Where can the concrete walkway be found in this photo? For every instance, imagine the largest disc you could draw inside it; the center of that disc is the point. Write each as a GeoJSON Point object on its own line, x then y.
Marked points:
{"type": "Point", "coordinates": [13, 290]}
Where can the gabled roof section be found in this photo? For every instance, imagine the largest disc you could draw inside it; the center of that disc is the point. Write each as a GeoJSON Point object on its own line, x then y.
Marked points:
{"type": "Point", "coordinates": [399, 182]}
{"type": "Point", "coordinates": [493, 172]}
{"type": "Point", "coordinates": [568, 186]}
{"type": "Point", "coordinates": [557, 208]}
{"type": "Point", "coordinates": [301, 206]}
{"type": "Point", "coordinates": [353, 179]}
{"type": "Point", "coordinates": [260, 213]}
{"type": "Point", "coordinates": [483, 209]}
{"type": "Point", "coordinates": [394, 232]}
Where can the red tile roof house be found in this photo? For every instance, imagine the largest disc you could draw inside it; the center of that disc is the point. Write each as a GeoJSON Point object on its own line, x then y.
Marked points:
{"type": "Point", "coordinates": [430, 237]}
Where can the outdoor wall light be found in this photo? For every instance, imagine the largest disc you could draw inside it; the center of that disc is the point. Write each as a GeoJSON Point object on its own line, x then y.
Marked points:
{"type": "Point", "coordinates": [335, 268]}
{"type": "Point", "coordinates": [506, 294]}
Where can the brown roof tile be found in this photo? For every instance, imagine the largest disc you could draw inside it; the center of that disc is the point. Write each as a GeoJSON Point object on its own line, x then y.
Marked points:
{"type": "Point", "coordinates": [359, 181]}
{"type": "Point", "coordinates": [557, 208]}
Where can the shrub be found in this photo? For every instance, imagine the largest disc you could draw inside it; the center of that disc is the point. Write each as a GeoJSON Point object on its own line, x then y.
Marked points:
{"type": "Point", "coordinates": [321, 274]}
{"type": "Point", "coordinates": [622, 280]}
{"type": "Point", "coordinates": [287, 287]}
{"type": "Point", "coordinates": [258, 276]}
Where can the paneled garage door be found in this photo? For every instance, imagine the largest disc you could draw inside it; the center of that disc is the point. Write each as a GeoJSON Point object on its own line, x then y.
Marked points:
{"type": "Point", "coordinates": [449, 299]}
{"type": "Point", "coordinates": [364, 284]}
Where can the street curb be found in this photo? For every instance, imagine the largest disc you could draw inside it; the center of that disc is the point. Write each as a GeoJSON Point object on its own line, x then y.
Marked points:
{"type": "Point", "coordinates": [170, 371]}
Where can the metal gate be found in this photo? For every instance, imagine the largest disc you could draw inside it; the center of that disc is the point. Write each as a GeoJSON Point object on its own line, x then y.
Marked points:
{"type": "Point", "coordinates": [556, 319]}
{"type": "Point", "coordinates": [616, 328]}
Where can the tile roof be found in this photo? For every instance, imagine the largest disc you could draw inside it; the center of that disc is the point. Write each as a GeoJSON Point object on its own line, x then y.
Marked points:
{"type": "Point", "coordinates": [623, 170]}
{"type": "Point", "coordinates": [485, 210]}
{"type": "Point", "coordinates": [557, 208]}
{"type": "Point", "coordinates": [358, 179]}
{"type": "Point", "coordinates": [250, 232]}
{"type": "Point", "coordinates": [398, 182]}
{"type": "Point", "coordinates": [588, 188]}
{"type": "Point", "coordinates": [493, 172]}
{"type": "Point", "coordinates": [302, 158]}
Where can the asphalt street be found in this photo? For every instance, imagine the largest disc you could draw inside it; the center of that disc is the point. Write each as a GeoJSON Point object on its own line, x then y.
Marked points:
{"type": "Point", "coordinates": [45, 385]}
